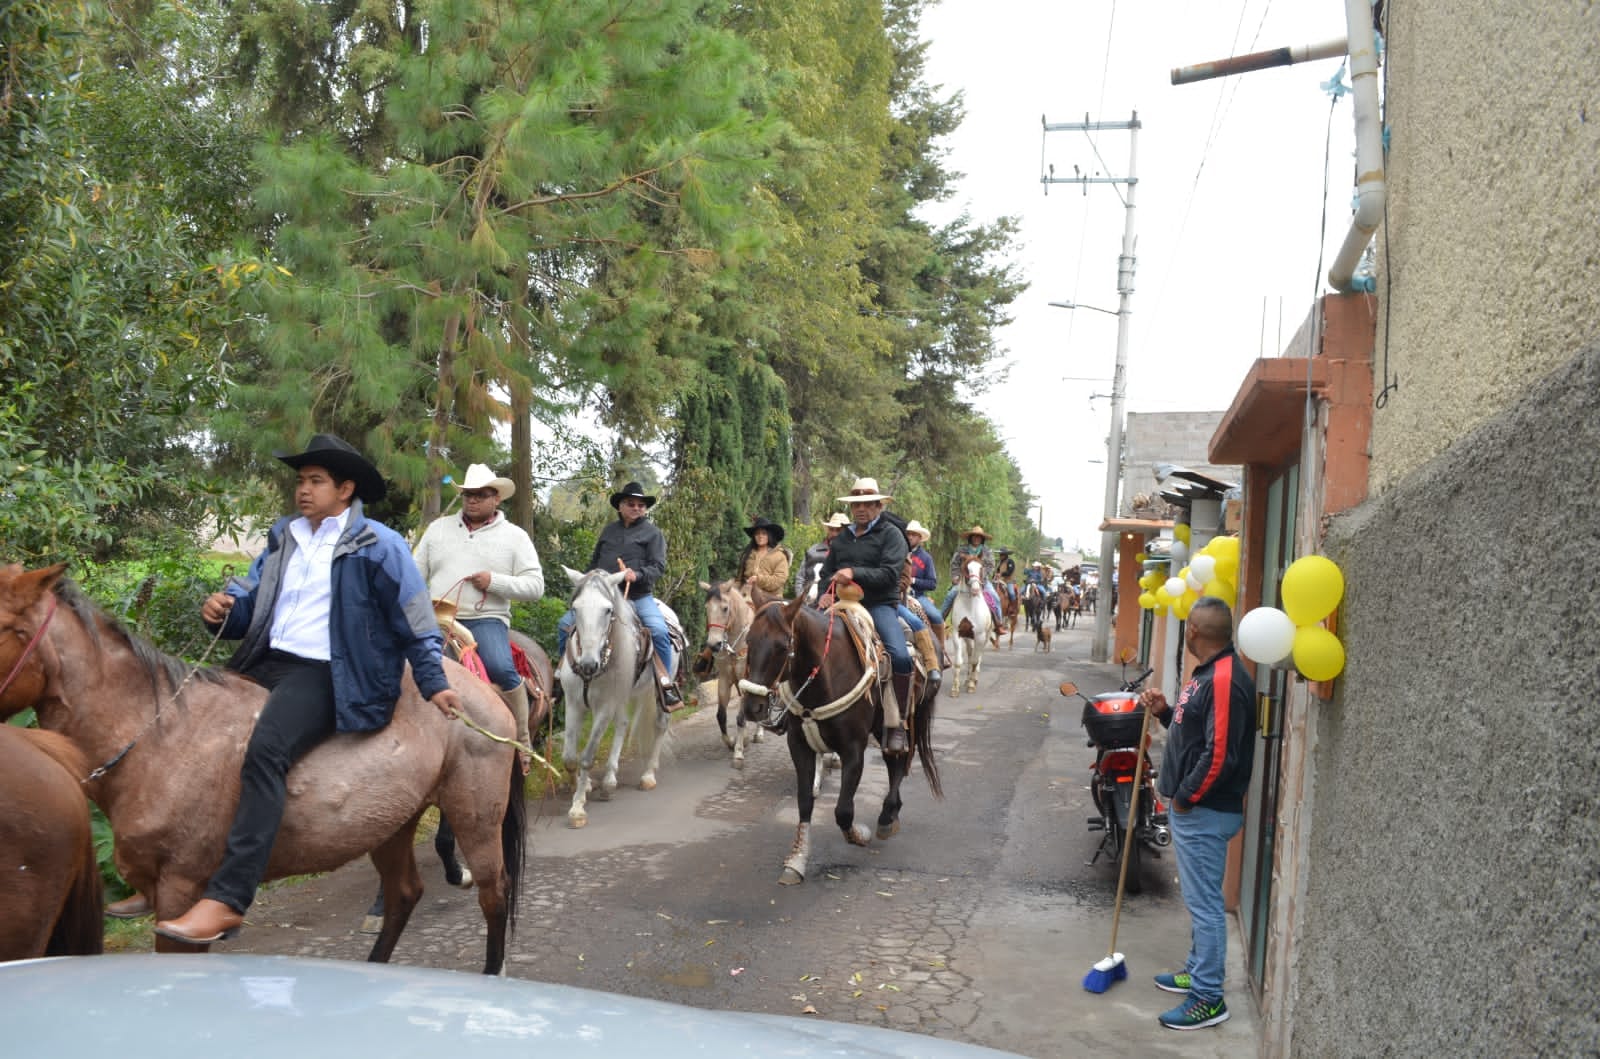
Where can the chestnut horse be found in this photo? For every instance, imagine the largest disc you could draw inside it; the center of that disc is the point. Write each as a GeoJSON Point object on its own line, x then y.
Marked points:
{"type": "Point", "coordinates": [170, 740]}
{"type": "Point", "coordinates": [50, 889]}
{"type": "Point", "coordinates": [805, 660]}
{"type": "Point", "coordinates": [728, 616]}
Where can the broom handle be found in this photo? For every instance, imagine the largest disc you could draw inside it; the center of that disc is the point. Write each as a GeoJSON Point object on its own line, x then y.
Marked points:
{"type": "Point", "coordinates": [1128, 840]}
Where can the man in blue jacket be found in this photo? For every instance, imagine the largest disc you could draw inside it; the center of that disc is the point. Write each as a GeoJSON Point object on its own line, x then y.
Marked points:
{"type": "Point", "coordinates": [330, 614]}
{"type": "Point", "coordinates": [1204, 774]}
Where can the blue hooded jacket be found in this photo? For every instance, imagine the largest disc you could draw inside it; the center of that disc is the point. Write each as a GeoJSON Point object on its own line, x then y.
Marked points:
{"type": "Point", "coordinates": [380, 618]}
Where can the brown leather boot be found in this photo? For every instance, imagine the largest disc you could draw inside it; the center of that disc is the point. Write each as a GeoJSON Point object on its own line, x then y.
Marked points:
{"type": "Point", "coordinates": [134, 907]}
{"type": "Point", "coordinates": [516, 701]}
{"type": "Point", "coordinates": [207, 922]}
{"type": "Point", "coordinates": [894, 729]}
{"type": "Point", "coordinates": [930, 658]}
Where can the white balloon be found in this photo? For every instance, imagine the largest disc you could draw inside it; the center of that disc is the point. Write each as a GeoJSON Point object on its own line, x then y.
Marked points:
{"type": "Point", "coordinates": [1175, 587]}
{"type": "Point", "coordinates": [1193, 581]}
{"type": "Point", "coordinates": [1266, 635]}
{"type": "Point", "coordinates": [1178, 553]}
{"type": "Point", "coordinates": [1204, 567]}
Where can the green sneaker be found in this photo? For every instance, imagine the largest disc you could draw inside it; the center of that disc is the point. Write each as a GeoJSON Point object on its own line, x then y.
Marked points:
{"type": "Point", "coordinates": [1195, 1014]}
{"type": "Point", "coordinates": [1174, 983]}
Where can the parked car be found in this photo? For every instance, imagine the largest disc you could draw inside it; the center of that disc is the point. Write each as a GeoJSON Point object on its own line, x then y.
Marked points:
{"type": "Point", "coordinates": [146, 1006]}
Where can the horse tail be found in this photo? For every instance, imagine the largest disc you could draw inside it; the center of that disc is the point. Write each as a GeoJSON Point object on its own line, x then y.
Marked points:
{"type": "Point", "coordinates": [80, 929]}
{"type": "Point", "coordinates": [924, 741]}
{"type": "Point", "coordinates": [513, 840]}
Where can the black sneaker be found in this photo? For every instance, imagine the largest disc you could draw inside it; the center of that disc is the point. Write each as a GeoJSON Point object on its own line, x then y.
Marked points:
{"type": "Point", "coordinates": [670, 696]}
{"type": "Point", "coordinates": [558, 694]}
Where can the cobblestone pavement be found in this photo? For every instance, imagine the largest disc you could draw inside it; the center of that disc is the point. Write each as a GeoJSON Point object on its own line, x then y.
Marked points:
{"type": "Point", "coordinates": [975, 923]}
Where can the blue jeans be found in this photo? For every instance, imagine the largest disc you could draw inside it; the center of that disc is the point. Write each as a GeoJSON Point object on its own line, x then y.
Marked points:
{"type": "Point", "coordinates": [494, 649]}
{"type": "Point", "coordinates": [910, 618]}
{"type": "Point", "coordinates": [649, 616]}
{"type": "Point", "coordinates": [1200, 838]}
{"type": "Point", "coordinates": [886, 619]}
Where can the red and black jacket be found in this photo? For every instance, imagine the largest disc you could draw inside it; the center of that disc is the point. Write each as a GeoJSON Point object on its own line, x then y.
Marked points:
{"type": "Point", "coordinates": [1210, 747]}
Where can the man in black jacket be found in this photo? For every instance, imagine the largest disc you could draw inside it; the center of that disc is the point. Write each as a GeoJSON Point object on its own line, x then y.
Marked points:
{"type": "Point", "coordinates": [871, 553]}
{"type": "Point", "coordinates": [1204, 775]}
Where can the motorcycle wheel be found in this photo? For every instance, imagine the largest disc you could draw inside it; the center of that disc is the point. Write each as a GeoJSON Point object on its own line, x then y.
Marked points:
{"type": "Point", "coordinates": [1125, 840]}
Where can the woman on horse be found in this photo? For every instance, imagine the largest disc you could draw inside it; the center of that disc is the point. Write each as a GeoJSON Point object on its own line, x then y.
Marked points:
{"type": "Point", "coordinates": [764, 563]}
{"type": "Point", "coordinates": [976, 547]}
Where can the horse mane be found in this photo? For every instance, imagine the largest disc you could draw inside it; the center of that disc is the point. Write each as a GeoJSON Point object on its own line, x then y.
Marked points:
{"type": "Point", "coordinates": [157, 665]}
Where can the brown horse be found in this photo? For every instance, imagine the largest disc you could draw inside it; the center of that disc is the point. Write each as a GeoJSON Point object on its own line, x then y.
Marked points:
{"type": "Point", "coordinates": [1009, 607]}
{"type": "Point", "coordinates": [1069, 606]}
{"type": "Point", "coordinates": [50, 890]}
{"type": "Point", "coordinates": [170, 741]}
{"type": "Point", "coordinates": [806, 660]}
{"type": "Point", "coordinates": [728, 617]}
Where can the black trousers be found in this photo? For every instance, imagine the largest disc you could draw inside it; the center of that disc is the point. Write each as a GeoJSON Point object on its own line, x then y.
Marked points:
{"type": "Point", "coordinates": [299, 714]}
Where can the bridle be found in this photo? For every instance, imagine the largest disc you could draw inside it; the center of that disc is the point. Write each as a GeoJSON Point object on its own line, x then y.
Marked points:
{"type": "Point", "coordinates": [779, 689]}
{"type": "Point", "coordinates": [575, 643]}
{"type": "Point", "coordinates": [38, 636]}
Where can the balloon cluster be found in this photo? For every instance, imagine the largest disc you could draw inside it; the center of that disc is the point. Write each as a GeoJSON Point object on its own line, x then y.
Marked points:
{"type": "Point", "coordinates": [1312, 588]}
{"type": "Point", "coordinates": [1213, 571]}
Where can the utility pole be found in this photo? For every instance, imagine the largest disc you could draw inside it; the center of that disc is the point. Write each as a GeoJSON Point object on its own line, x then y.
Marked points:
{"type": "Point", "coordinates": [1101, 649]}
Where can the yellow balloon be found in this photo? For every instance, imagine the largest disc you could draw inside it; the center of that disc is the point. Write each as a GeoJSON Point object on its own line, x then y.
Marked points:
{"type": "Point", "coordinates": [1181, 608]}
{"type": "Point", "coordinates": [1147, 601]}
{"type": "Point", "coordinates": [1163, 598]}
{"type": "Point", "coordinates": [1223, 590]}
{"type": "Point", "coordinates": [1312, 587]}
{"type": "Point", "coordinates": [1141, 557]}
{"type": "Point", "coordinates": [1181, 532]}
{"type": "Point", "coordinates": [1227, 567]}
{"type": "Point", "coordinates": [1224, 547]}
{"type": "Point", "coordinates": [1318, 654]}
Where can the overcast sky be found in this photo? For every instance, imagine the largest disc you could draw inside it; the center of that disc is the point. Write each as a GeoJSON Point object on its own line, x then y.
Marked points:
{"type": "Point", "coordinates": [1227, 209]}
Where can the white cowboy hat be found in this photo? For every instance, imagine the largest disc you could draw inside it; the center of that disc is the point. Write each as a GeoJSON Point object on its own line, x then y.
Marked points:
{"type": "Point", "coordinates": [916, 527]}
{"type": "Point", "coordinates": [837, 520]}
{"type": "Point", "coordinates": [479, 476]}
{"type": "Point", "coordinates": [865, 490]}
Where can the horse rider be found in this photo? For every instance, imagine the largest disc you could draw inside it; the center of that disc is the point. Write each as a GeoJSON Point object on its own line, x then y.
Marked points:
{"type": "Point", "coordinates": [976, 547]}
{"type": "Point", "coordinates": [1005, 571]}
{"type": "Point", "coordinates": [484, 549]}
{"type": "Point", "coordinates": [812, 560]}
{"type": "Point", "coordinates": [329, 616]}
{"type": "Point", "coordinates": [871, 554]}
{"type": "Point", "coordinates": [923, 581]}
{"type": "Point", "coordinates": [765, 563]}
{"type": "Point", "coordinates": [638, 547]}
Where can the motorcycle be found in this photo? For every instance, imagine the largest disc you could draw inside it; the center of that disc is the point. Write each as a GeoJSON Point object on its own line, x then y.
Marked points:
{"type": "Point", "coordinates": [1113, 721]}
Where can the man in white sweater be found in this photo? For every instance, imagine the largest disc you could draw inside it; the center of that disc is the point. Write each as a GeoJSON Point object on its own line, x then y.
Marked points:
{"type": "Point", "coordinates": [482, 561]}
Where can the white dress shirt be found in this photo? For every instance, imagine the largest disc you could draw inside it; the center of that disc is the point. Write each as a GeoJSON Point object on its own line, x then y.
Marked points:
{"type": "Point", "coordinates": [300, 620]}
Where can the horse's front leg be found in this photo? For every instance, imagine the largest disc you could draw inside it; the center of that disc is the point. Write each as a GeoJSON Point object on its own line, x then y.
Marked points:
{"type": "Point", "coordinates": [578, 814]}
{"type": "Point", "coordinates": [844, 812]}
{"type": "Point", "coordinates": [652, 757]}
{"type": "Point", "coordinates": [724, 693]}
{"type": "Point", "coordinates": [806, 765]}
{"type": "Point", "coordinates": [619, 736]}
{"type": "Point", "coordinates": [396, 862]}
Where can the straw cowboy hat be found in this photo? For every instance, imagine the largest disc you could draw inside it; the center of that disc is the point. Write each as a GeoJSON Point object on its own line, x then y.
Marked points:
{"type": "Point", "coordinates": [340, 457]}
{"type": "Point", "coordinates": [632, 491]}
{"type": "Point", "coordinates": [837, 520]}
{"type": "Point", "coordinates": [774, 530]}
{"type": "Point", "coordinates": [916, 527]}
{"type": "Point", "coordinates": [479, 476]}
{"type": "Point", "coordinates": [865, 490]}
{"type": "Point", "coordinates": [976, 531]}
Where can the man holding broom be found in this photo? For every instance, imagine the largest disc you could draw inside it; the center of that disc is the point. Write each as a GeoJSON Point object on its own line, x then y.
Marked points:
{"type": "Point", "coordinates": [1204, 774]}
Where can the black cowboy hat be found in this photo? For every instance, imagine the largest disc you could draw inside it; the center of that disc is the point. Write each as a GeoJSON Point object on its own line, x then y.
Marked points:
{"type": "Point", "coordinates": [635, 491]}
{"type": "Point", "coordinates": [340, 457]}
{"type": "Point", "coordinates": [774, 530]}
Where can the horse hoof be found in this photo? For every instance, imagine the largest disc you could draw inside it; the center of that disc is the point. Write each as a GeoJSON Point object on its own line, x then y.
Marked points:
{"type": "Point", "coordinates": [466, 878]}
{"type": "Point", "coordinates": [858, 835]}
{"type": "Point", "coordinates": [647, 782]}
{"type": "Point", "coordinates": [577, 820]}
{"type": "Point", "coordinates": [728, 741]}
{"type": "Point", "coordinates": [738, 763]}
{"type": "Point", "coordinates": [790, 877]}
{"type": "Point", "coordinates": [755, 737]}
{"type": "Point", "coordinates": [888, 830]}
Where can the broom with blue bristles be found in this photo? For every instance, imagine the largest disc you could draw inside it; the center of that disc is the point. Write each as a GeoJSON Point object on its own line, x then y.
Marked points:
{"type": "Point", "coordinates": [1107, 972]}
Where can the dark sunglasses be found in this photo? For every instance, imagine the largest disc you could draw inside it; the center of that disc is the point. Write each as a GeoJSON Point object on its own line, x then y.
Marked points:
{"type": "Point", "coordinates": [478, 494]}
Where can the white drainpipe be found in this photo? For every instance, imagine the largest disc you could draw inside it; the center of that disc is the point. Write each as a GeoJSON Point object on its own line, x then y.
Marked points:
{"type": "Point", "coordinates": [1363, 44]}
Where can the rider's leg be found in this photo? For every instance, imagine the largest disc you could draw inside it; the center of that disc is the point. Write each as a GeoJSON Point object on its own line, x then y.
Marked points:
{"type": "Point", "coordinates": [949, 598]}
{"type": "Point", "coordinates": [651, 617]}
{"type": "Point", "coordinates": [924, 641]}
{"type": "Point", "coordinates": [494, 649]}
{"type": "Point", "coordinates": [887, 621]}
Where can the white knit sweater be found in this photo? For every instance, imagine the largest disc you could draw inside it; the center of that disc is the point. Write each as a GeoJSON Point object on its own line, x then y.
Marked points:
{"type": "Point", "coordinates": [449, 552]}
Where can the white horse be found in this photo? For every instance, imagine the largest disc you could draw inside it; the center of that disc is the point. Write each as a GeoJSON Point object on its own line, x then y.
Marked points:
{"type": "Point", "coordinates": [605, 673]}
{"type": "Point", "coordinates": [971, 621]}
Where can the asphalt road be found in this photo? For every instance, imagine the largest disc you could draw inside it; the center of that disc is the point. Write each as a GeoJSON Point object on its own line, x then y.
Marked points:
{"type": "Point", "coordinates": [977, 922]}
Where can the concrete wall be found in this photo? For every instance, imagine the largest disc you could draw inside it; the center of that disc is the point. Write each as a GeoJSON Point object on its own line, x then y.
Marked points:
{"type": "Point", "coordinates": [1493, 270]}
{"type": "Point", "coordinates": [1453, 857]}
{"type": "Point", "coordinates": [1182, 438]}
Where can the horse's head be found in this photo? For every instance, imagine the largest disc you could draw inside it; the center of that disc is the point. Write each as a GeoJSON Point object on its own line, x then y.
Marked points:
{"type": "Point", "coordinates": [727, 616]}
{"type": "Point", "coordinates": [974, 576]}
{"type": "Point", "coordinates": [600, 613]}
{"type": "Point", "coordinates": [770, 657]}
{"type": "Point", "coordinates": [22, 620]}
